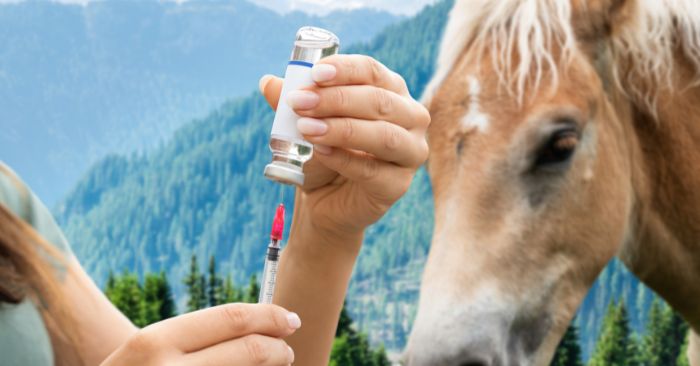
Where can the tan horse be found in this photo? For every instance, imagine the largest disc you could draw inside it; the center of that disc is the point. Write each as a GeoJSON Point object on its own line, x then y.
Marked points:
{"type": "Point", "coordinates": [565, 132]}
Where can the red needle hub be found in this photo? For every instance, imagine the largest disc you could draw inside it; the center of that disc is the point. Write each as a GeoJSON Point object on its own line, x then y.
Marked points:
{"type": "Point", "coordinates": [278, 224]}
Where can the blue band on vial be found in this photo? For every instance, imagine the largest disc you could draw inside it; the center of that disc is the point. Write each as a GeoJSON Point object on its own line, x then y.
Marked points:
{"type": "Point", "coordinates": [301, 63]}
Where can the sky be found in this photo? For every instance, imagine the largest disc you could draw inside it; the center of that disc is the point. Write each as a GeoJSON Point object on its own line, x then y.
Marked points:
{"type": "Point", "coordinates": [318, 7]}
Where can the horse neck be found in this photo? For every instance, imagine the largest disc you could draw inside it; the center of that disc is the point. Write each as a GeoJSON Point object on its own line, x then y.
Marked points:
{"type": "Point", "coordinates": [664, 250]}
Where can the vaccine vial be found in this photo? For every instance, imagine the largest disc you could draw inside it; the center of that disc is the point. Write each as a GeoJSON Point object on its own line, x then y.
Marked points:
{"type": "Point", "coordinates": [289, 149]}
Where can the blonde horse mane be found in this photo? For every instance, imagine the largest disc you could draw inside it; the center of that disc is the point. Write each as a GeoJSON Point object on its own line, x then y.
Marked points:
{"type": "Point", "coordinates": [655, 31]}
{"type": "Point", "coordinates": [533, 28]}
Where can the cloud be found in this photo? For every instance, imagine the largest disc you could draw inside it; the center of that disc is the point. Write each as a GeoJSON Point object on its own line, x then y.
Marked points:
{"type": "Point", "coordinates": [72, 2]}
{"type": "Point", "coordinates": [322, 7]}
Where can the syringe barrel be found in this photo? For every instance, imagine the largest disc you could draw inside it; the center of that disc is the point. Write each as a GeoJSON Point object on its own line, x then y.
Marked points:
{"type": "Point", "coordinates": [269, 279]}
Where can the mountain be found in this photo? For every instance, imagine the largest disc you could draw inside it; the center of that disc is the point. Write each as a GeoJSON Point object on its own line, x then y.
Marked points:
{"type": "Point", "coordinates": [203, 192]}
{"type": "Point", "coordinates": [78, 82]}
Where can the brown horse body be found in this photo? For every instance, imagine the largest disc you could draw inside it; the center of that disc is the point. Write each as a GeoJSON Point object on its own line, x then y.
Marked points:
{"type": "Point", "coordinates": [665, 250]}
{"type": "Point", "coordinates": [537, 188]}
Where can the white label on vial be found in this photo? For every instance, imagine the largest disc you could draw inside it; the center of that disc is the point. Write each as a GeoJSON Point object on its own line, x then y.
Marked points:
{"type": "Point", "coordinates": [297, 76]}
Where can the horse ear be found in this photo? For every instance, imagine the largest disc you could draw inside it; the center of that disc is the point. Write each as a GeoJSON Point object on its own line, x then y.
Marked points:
{"type": "Point", "coordinates": [594, 20]}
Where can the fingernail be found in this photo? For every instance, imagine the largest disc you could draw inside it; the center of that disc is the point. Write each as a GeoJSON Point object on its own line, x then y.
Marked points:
{"type": "Point", "coordinates": [311, 126]}
{"type": "Point", "coordinates": [290, 356]}
{"type": "Point", "coordinates": [302, 99]}
{"type": "Point", "coordinates": [293, 320]}
{"type": "Point", "coordinates": [322, 72]}
{"type": "Point", "coordinates": [323, 149]}
{"type": "Point", "coordinates": [263, 82]}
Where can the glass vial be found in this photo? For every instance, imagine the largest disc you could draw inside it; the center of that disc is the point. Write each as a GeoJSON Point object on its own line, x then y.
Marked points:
{"type": "Point", "coordinates": [289, 149]}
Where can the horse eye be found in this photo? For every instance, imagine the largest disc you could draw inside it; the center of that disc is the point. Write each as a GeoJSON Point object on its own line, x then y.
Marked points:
{"type": "Point", "coordinates": [558, 149]}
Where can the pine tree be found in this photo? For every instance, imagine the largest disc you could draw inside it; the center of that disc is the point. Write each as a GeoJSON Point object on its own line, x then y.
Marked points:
{"type": "Point", "coordinates": [158, 298]}
{"type": "Point", "coordinates": [165, 293]}
{"type": "Point", "coordinates": [253, 290]}
{"type": "Point", "coordinates": [341, 353]}
{"type": "Point", "coordinates": [665, 334]}
{"type": "Point", "coordinates": [126, 294]}
{"type": "Point", "coordinates": [152, 301]}
{"type": "Point", "coordinates": [203, 302]}
{"type": "Point", "coordinates": [214, 289]}
{"type": "Point", "coordinates": [363, 351]}
{"type": "Point", "coordinates": [568, 352]}
{"type": "Point", "coordinates": [195, 286]}
{"type": "Point", "coordinates": [352, 348]}
{"type": "Point", "coordinates": [379, 357]}
{"type": "Point", "coordinates": [344, 322]}
{"type": "Point", "coordinates": [677, 333]}
{"type": "Point", "coordinates": [614, 347]}
{"type": "Point", "coordinates": [683, 359]}
{"type": "Point", "coordinates": [111, 282]}
{"type": "Point", "coordinates": [653, 342]}
{"type": "Point", "coordinates": [229, 292]}
{"type": "Point", "coordinates": [636, 349]}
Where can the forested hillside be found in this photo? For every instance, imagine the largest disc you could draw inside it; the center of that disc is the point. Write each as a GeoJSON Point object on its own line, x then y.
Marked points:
{"type": "Point", "coordinates": [202, 192]}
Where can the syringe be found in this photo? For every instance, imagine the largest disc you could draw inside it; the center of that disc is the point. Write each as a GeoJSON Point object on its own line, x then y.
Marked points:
{"type": "Point", "coordinates": [267, 289]}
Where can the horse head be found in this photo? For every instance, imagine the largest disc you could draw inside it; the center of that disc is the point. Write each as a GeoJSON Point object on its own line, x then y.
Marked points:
{"type": "Point", "coordinates": [532, 175]}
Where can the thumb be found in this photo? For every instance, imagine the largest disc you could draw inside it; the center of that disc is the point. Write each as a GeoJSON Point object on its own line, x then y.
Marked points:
{"type": "Point", "coordinates": [271, 87]}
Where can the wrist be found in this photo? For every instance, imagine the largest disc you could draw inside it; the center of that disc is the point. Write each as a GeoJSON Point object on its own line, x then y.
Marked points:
{"type": "Point", "coordinates": [320, 235]}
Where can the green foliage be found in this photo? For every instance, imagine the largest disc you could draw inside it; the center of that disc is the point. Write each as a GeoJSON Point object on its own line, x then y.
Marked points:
{"type": "Point", "coordinates": [126, 294]}
{"type": "Point", "coordinates": [683, 359]}
{"type": "Point", "coordinates": [379, 357]}
{"type": "Point", "coordinates": [653, 341]}
{"type": "Point", "coordinates": [230, 293]}
{"type": "Point", "coordinates": [342, 352]}
{"type": "Point", "coordinates": [153, 301]}
{"type": "Point", "coordinates": [196, 287]}
{"type": "Point", "coordinates": [158, 298]}
{"type": "Point", "coordinates": [215, 286]}
{"type": "Point", "coordinates": [677, 332]}
{"type": "Point", "coordinates": [615, 347]}
{"type": "Point", "coordinates": [352, 348]}
{"type": "Point", "coordinates": [568, 352]}
{"type": "Point", "coordinates": [252, 292]}
{"type": "Point", "coordinates": [344, 322]}
{"type": "Point", "coordinates": [665, 335]}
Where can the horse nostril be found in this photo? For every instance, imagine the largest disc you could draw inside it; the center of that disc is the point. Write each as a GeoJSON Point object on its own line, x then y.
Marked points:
{"type": "Point", "coordinates": [480, 361]}
{"type": "Point", "coordinates": [473, 362]}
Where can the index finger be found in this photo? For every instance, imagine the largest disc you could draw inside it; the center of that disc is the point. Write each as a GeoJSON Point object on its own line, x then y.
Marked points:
{"type": "Point", "coordinates": [356, 70]}
{"type": "Point", "coordinates": [204, 328]}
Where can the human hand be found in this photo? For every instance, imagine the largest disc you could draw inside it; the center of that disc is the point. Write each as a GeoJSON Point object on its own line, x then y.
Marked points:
{"type": "Point", "coordinates": [368, 135]}
{"type": "Point", "coordinates": [231, 334]}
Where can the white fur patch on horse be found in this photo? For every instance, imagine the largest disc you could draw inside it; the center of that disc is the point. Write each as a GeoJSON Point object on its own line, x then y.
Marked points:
{"type": "Point", "coordinates": [474, 119]}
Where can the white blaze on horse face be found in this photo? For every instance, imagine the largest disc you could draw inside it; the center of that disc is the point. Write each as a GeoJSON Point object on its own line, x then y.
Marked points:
{"type": "Point", "coordinates": [474, 119]}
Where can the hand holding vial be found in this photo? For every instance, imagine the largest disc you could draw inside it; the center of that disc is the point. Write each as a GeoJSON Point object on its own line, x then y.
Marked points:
{"type": "Point", "coordinates": [368, 135]}
{"type": "Point", "coordinates": [368, 140]}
